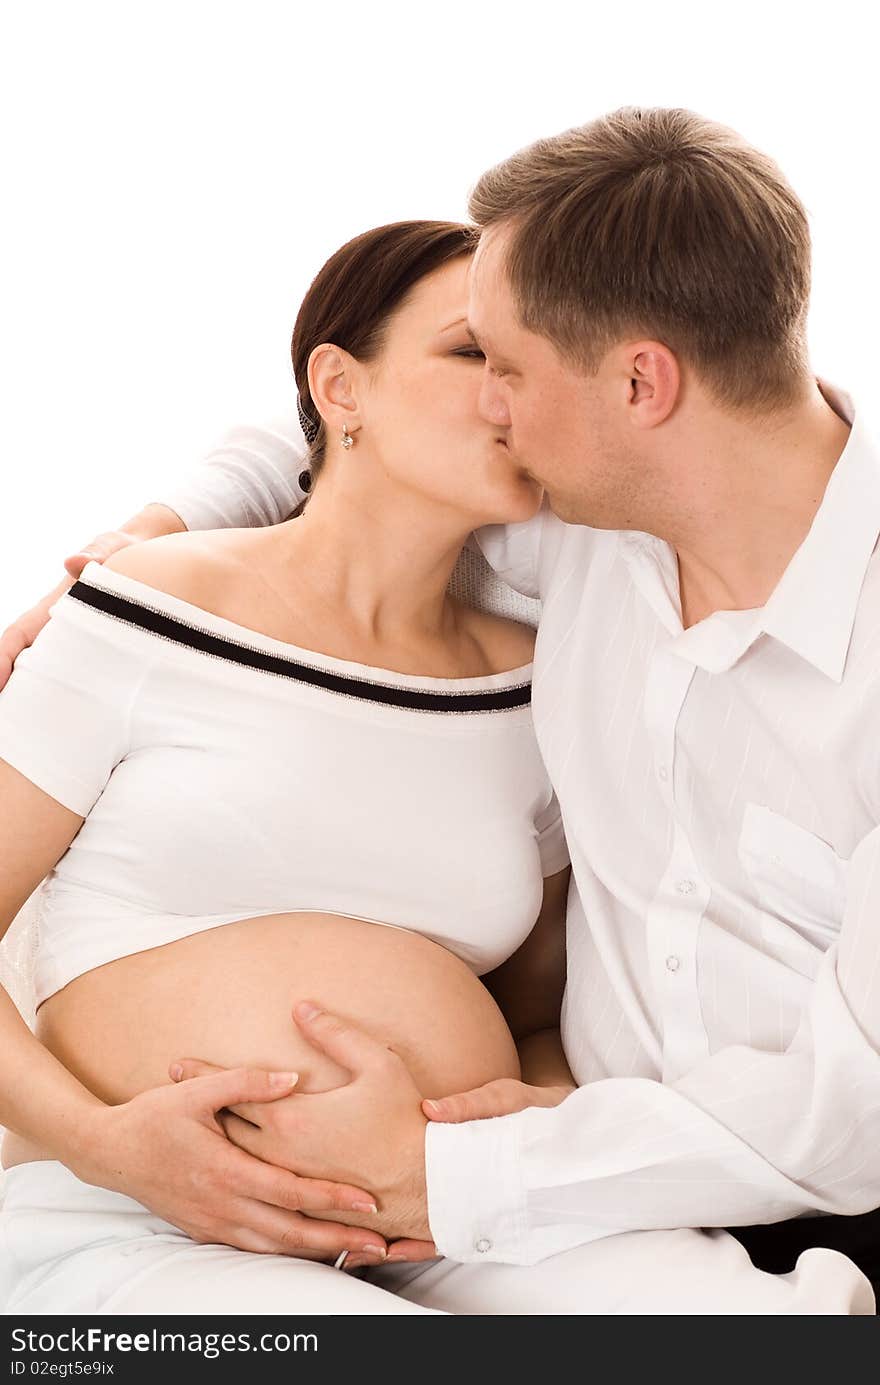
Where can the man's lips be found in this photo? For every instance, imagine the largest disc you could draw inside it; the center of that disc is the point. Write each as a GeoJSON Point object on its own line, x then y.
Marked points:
{"type": "Point", "coordinates": [523, 470]}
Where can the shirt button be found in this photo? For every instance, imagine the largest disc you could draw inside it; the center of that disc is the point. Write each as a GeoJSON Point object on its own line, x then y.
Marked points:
{"type": "Point", "coordinates": [483, 1244]}
{"type": "Point", "coordinates": [672, 964]}
{"type": "Point", "coordinates": [685, 887]}
{"type": "Point", "coordinates": [663, 773]}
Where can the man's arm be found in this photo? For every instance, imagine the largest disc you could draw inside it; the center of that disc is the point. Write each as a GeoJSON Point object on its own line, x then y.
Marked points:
{"type": "Point", "coordinates": [249, 480]}
{"type": "Point", "coordinates": [747, 1136]}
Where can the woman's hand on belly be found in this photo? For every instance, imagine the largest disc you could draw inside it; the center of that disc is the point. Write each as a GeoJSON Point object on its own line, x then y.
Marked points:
{"type": "Point", "coordinates": [166, 1148]}
{"type": "Point", "coordinates": [370, 1131]}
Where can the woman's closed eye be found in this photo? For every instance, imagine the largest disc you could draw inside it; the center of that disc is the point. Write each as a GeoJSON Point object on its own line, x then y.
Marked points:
{"type": "Point", "coordinates": [470, 352]}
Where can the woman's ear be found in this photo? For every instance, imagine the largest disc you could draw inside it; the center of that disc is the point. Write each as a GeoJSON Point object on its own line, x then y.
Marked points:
{"type": "Point", "coordinates": [330, 384]}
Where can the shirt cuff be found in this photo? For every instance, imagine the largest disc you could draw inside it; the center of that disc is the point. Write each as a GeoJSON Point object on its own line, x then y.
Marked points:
{"type": "Point", "coordinates": [476, 1202]}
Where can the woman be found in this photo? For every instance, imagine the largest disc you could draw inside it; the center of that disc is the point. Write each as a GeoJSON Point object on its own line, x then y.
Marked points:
{"type": "Point", "coordinates": [218, 730]}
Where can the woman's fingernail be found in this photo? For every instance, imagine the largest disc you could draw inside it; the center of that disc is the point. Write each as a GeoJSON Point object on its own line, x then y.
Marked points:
{"type": "Point", "coordinates": [283, 1079]}
{"type": "Point", "coordinates": [375, 1252]}
{"type": "Point", "coordinates": [176, 1072]}
{"type": "Point", "coordinates": [307, 1010]}
{"type": "Point", "coordinates": [394, 1257]}
{"type": "Point", "coordinates": [364, 1207]}
{"type": "Point", "coordinates": [435, 1106]}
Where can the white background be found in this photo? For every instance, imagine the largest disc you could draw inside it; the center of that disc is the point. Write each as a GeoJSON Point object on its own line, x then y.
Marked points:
{"type": "Point", "coordinates": [173, 175]}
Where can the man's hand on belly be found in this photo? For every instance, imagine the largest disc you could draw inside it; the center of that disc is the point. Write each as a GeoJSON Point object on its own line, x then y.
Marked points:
{"type": "Point", "coordinates": [500, 1098]}
{"type": "Point", "coordinates": [370, 1132]}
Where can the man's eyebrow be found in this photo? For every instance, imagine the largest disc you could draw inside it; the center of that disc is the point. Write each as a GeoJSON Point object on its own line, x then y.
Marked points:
{"type": "Point", "coordinates": [488, 349]}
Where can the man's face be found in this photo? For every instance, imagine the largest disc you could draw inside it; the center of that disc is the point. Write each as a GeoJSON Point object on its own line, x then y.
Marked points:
{"type": "Point", "coordinates": [562, 425]}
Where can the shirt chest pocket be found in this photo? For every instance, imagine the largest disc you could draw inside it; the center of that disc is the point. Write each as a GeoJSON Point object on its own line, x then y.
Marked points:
{"type": "Point", "coordinates": [797, 876]}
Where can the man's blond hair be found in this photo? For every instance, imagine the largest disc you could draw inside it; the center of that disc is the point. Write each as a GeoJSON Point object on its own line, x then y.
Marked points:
{"type": "Point", "coordinates": [659, 223]}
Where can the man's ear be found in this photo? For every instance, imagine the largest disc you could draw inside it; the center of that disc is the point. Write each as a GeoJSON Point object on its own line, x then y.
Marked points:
{"type": "Point", "coordinates": [330, 384]}
{"type": "Point", "coordinates": [654, 382]}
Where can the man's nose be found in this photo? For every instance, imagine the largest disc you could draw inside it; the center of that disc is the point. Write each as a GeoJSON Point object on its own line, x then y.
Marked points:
{"type": "Point", "coordinates": [492, 403]}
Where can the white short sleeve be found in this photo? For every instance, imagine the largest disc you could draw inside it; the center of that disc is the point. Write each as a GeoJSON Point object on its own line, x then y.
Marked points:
{"type": "Point", "coordinates": [552, 846]}
{"type": "Point", "coordinates": [65, 712]}
{"type": "Point", "coordinates": [251, 478]}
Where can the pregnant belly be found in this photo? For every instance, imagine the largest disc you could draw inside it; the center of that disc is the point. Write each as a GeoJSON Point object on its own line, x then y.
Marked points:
{"type": "Point", "coordinates": [226, 995]}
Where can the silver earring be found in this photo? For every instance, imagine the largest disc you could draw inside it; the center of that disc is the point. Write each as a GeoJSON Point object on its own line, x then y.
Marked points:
{"type": "Point", "coordinates": [347, 439]}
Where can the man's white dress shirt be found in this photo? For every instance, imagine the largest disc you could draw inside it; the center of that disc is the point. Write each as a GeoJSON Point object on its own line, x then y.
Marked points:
{"type": "Point", "coordinates": [720, 789]}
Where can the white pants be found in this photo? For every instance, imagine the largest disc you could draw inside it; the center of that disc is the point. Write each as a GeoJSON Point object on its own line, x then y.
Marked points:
{"type": "Point", "coordinates": [68, 1247]}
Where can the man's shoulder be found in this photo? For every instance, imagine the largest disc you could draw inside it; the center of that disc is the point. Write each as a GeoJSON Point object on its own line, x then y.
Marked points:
{"type": "Point", "coordinates": [528, 554]}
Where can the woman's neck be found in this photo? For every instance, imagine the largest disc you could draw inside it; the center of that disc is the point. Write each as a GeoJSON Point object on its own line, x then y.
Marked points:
{"type": "Point", "coordinates": [378, 566]}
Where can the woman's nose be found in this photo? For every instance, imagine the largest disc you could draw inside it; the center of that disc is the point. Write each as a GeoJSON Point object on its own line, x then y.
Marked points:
{"type": "Point", "coordinates": [492, 403]}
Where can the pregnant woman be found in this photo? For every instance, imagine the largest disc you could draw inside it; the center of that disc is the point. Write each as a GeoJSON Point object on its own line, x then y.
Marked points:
{"type": "Point", "coordinates": [265, 765]}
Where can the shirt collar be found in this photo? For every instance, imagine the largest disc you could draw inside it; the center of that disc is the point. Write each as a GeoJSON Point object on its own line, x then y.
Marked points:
{"type": "Point", "coordinates": [813, 607]}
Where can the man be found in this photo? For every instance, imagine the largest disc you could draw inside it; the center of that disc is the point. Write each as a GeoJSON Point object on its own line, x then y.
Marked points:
{"type": "Point", "coordinates": [702, 694]}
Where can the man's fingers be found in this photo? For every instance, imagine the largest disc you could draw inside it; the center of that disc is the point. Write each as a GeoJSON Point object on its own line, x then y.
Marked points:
{"type": "Point", "coordinates": [502, 1097]}
{"type": "Point", "coordinates": [411, 1251]}
{"type": "Point", "coordinates": [77, 561]}
{"type": "Point", "coordinates": [229, 1087]}
{"type": "Point", "coordinates": [12, 642]}
{"type": "Point", "coordinates": [22, 632]}
{"type": "Point", "coordinates": [98, 550]}
{"type": "Point", "coordinates": [463, 1106]}
{"type": "Point", "coordinates": [399, 1252]}
{"type": "Point", "coordinates": [347, 1045]}
{"type": "Point", "coordinates": [241, 1131]}
{"type": "Point", "coordinates": [184, 1068]}
{"type": "Point", "coordinates": [499, 1098]}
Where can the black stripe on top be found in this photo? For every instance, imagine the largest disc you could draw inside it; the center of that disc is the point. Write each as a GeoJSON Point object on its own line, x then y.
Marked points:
{"type": "Point", "coordinates": [181, 632]}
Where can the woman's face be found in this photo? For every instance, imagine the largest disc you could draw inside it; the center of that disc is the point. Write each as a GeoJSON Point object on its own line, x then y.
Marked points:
{"type": "Point", "coordinates": [419, 408]}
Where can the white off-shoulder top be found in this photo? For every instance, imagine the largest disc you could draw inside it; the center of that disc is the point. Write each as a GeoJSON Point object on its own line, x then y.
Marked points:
{"type": "Point", "coordinates": [224, 774]}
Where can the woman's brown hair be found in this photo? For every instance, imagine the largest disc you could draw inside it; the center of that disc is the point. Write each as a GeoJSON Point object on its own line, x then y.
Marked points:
{"type": "Point", "coordinates": [661, 223]}
{"type": "Point", "coordinates": [352, 299]}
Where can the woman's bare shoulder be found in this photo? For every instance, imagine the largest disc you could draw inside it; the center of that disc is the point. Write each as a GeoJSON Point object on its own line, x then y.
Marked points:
{"type": "Point", "coordinates": [195, 567]}
{"type": "Point", "coordinates": [506, 643]}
